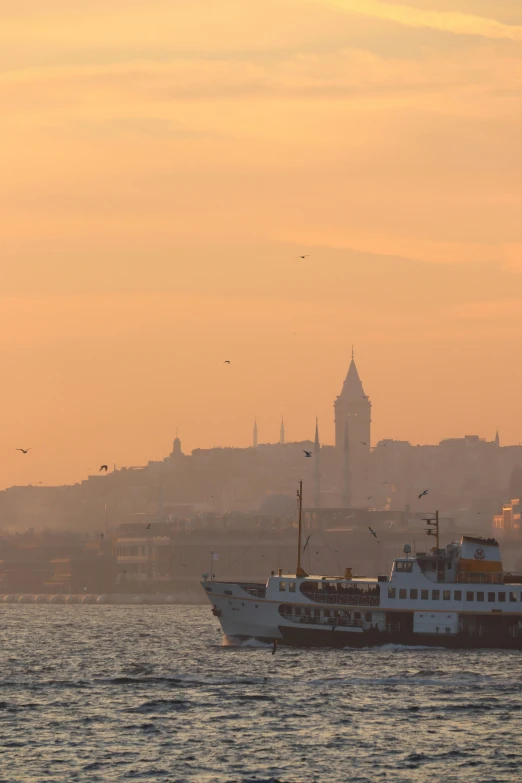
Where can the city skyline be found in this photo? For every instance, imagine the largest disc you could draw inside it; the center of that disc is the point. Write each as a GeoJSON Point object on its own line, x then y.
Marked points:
{"type": "Point", "coordinates": [347, 437]}
{"type": "Point", "coordinates": [161, 180]}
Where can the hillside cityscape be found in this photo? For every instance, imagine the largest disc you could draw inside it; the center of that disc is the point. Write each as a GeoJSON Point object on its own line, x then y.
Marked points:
{"type": "Point", "coordinates": [151, 529]}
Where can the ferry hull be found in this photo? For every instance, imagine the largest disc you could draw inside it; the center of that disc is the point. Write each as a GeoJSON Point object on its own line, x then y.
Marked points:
{"type": "Point", "coordinates": [306, 637]}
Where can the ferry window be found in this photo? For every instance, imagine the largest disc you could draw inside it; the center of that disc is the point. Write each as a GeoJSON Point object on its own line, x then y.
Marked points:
{"type": "Point", "coordinates": [414, 594]}
{"type": "Point", "coordinates": [403, 593]}
{"type": "Point", "coordinates": [327, 613]}
{"type": "Point", "coordinates": [470, 596]}
{"type": "Point", "coordinates": [480, 596]}
{"type": "Point", "coordinates": [448, 630]}
{"type": "Point", "coordinates": [297, 611]}
{"type": "Point", "coordinates": [368, 617]}
{"type": "Point", "coordinates": [435, 595]}
{"type": "Point", "coordinates": [512, 597]}
{"type": "Point", "coordinates": [457, 595]}
{"type": "Point", "coordinates": [446, 595]}
{"type": "Point", "coordinates": [291, 587]}
{"type": "Point", "coordinates": [391, 592]}
{"type": "Point", "coordinates": [406, 568]}
{"type": "Point", "coordinates": [357, 615]}
{"type": "Point", "coordinates": [228, 592]}
{"type": "Point", "coordinates": [491, 598]}
{"type": "Point", "coordinates": [502, 597]}
{"type": "Point", "coordinates": [308, 612]}
{"type": "Point", "coordinates": [425, 594]}
{"type": "Point", "coordinates": [317, 612]}
{"type": "Point", "coordinates": [282, 587]}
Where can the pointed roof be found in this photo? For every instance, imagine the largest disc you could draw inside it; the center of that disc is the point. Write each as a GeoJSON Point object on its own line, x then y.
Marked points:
{"type": "Point", "coordinates": [352, 386]}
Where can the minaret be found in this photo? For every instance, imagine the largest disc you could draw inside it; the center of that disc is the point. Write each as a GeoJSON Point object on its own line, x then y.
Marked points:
{"type": "Point", "coordinates": [497, 438]}
{"type": "Point", "coordinates": [254, 442]}
{"type": "Point", "coordinates": [282, 432]}
{"type": "Point", "coordinates": [317, 467]}
{"type": "Point", "coordinates": [346, 469]}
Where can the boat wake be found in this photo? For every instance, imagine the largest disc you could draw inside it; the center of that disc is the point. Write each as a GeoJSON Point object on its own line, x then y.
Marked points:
{"type": "Point", "coordinates": [233, 641]}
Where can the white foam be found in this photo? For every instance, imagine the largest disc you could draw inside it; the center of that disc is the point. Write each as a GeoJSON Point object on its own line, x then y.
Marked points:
{"type": "Point", "coordinates": [233, 641]}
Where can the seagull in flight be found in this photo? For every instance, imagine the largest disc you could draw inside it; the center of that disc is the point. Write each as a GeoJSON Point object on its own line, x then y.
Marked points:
{"type": "Point", "coordinates": [374, 534]}
{"type": "Point", "coordinates": [305, 256]}
{"type": "Point", "coordinates": [364, 443]}
{"type": "Point", "coordinates": [24, 451]}
{"type": "Point", "coordinates": [104, 467]}
{"type": "Point", "coordinates": [369, 497]}
{"type": "Point", "coordinates": [386, 482]}
{"type": "Point", "coordinates": [227, 361]}
{"type": "Point", "coordinates": [423, 493]}
{"type": "Point", "coordinates": [148, 526]}
{"type": "Point", "coordinates": [307, 453]}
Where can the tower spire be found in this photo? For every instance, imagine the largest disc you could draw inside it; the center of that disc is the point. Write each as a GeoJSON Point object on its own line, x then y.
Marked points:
{"type": "Point", "coordinates": [282, 432]}
{"type": "Point", "coordinates": [353, 354]}
{"type": "Point", "coordinates": [254, 440]}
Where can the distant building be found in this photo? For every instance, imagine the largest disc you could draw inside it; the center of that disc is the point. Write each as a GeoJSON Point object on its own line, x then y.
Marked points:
{"type": "Point", "coordinates": [508, 523]}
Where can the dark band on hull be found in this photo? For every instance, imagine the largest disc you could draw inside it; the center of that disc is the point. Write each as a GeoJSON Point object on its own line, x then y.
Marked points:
{"type": "Point", "coordinates": [305, 637]}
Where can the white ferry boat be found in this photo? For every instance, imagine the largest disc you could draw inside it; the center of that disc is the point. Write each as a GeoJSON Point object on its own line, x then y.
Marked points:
{"type": "Point", "coordinates": [454, 597]}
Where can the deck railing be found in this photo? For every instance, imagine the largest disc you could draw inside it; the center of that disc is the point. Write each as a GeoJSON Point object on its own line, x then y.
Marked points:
{"type": "Point", "coordinates": [344, 599]}
{"type": "Point", "coordinates": [342, 622]}
{"type": "Point", "coordinates": [469, 578]}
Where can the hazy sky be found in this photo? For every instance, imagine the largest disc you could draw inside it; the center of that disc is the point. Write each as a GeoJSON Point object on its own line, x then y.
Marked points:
{"type": "Point", "coordinates": [164, 162]}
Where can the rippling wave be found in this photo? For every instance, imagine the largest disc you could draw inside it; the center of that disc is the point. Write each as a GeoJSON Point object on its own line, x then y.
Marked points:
{"type": "Point", "coordinates": [114, 693]}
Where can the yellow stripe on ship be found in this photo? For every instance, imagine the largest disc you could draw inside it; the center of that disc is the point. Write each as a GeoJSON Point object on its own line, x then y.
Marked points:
{"type": "Point", "coordinates": [480, 567]}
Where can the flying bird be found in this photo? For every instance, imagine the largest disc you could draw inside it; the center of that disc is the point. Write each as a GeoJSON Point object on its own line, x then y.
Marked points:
{"type": "Point", "coordinates": [369, 497]}
{"type": "Point", "coordinates": [227, 361]}
{"type": "Point", "coordinates": [148, 526]}
{"type": "Point", "coordinates": [307, 540]}
{"type": "Point", "coordinates": [386, 482]}
{"type": "Point", "coordinates": [305, 256]}
{"type": "Point", "coordinates": [307, 453]}
{"type": "Point", "coordinates": [423, 493]}
{"type": "Point", "coordinates": [374, 534]}
{"type": "Point", "coordinates": [24, 451]}
{"type": "Point", "coordinates": [101, 535]}
{"type": "Point", "coordinates": [104, 467]}
{"type": "Point", "coordinates": [364, 443]}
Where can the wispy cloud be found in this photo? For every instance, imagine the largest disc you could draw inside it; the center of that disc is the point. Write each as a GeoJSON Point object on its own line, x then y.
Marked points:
{"type": "Point", "coordinates": [454, 22]}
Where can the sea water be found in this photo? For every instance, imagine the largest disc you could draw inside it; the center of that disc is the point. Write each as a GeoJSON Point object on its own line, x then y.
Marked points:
{"type": "Point", "coordinates": [118, 693]}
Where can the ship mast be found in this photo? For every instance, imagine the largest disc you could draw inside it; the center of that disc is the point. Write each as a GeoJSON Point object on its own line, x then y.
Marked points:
{"type": "Point", "coordinates": [299, 571]}
{"type": "Point", "coordinates": [433, 529]}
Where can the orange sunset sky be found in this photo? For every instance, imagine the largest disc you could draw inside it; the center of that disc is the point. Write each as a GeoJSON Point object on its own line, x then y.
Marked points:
{"type": "Point", "coordinates": [164, 163]}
